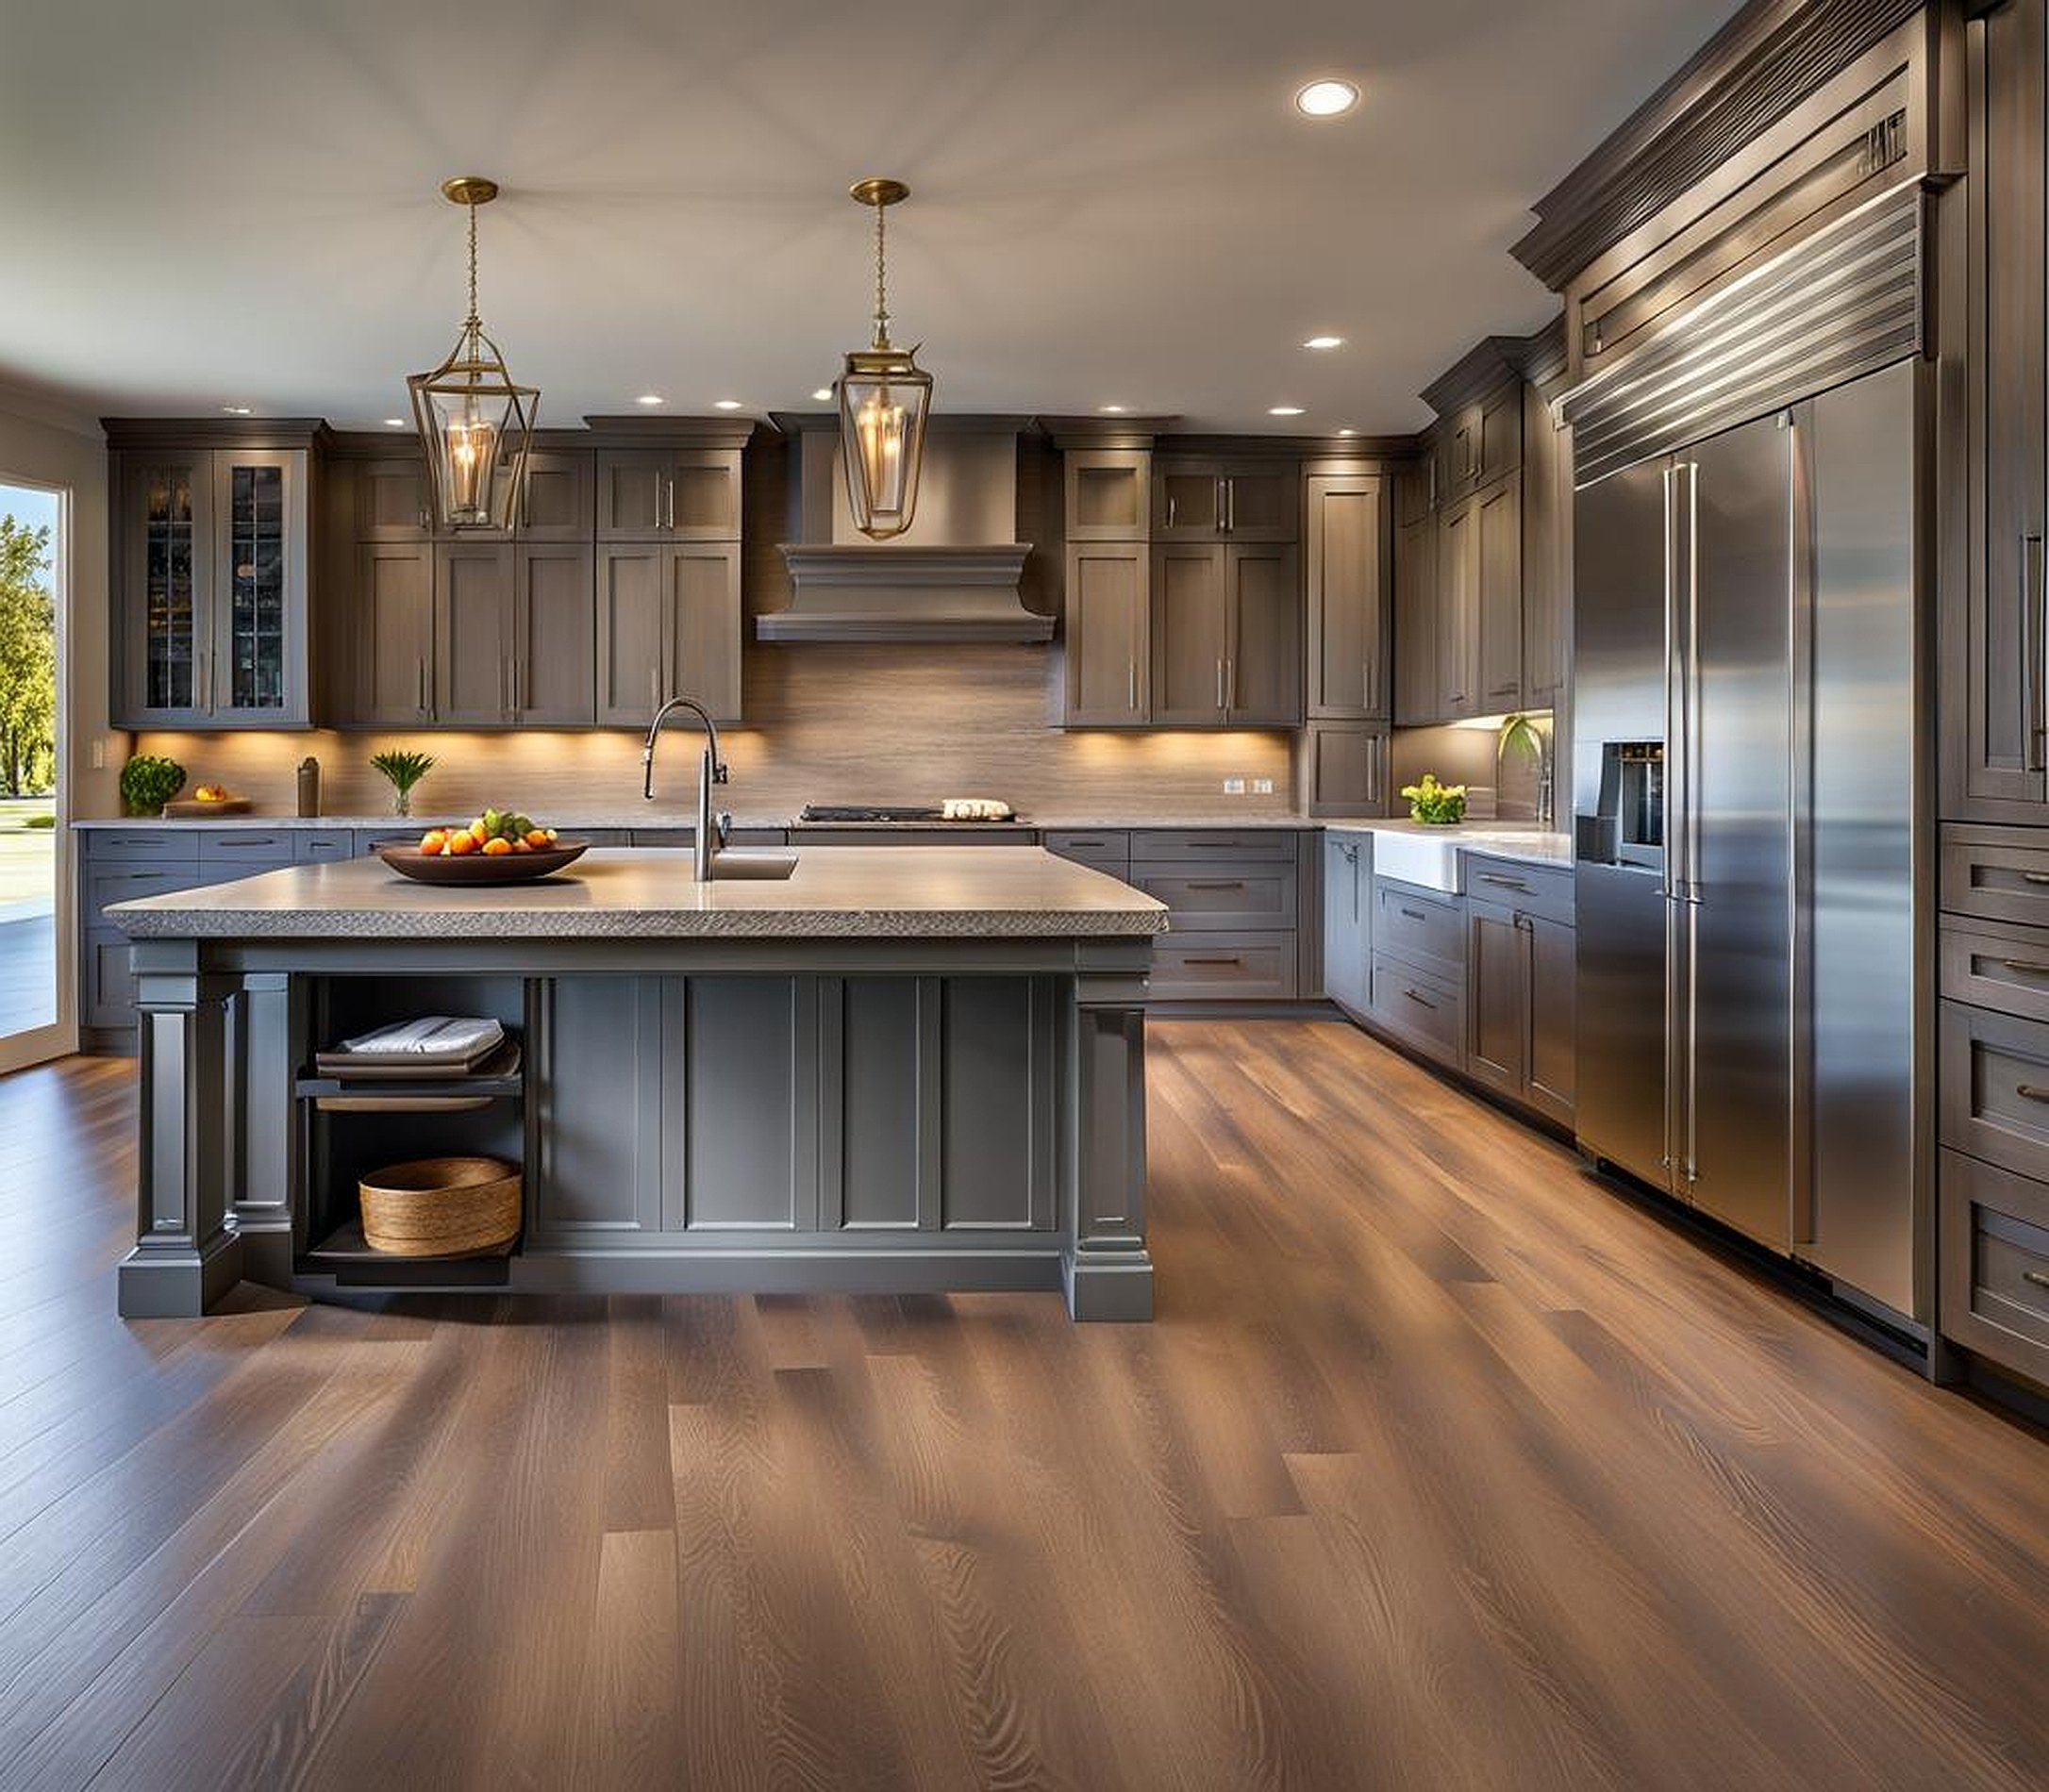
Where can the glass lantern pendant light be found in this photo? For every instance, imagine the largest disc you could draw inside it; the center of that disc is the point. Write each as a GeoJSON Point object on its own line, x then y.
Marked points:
{"type": "Point", "coordinates": [885, 401]}
{"type": "Point", "coordinates": [475, 422]}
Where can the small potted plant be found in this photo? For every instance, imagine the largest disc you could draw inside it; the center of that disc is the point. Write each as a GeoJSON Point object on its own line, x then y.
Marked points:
{"type": "Point", "coordinates": [405, 768]}
{"type": "Point", "coordinates": [1438, 804]}
{"type": "Point", "coordinates": [148, 780]}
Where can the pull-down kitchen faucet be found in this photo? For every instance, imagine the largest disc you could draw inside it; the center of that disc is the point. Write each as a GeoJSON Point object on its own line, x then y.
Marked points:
{"type": "Point", "coordinates": [712, 831]}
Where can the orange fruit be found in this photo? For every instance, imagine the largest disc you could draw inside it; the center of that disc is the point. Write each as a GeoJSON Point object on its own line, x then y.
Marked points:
{"type": "Point", "coordinates": [461, 845]}
{"type": "Point", "coordinates": [538, 836]}
{"type": "Point", "coordinates": [521, 846]}
{"type": "Point", "coordinates": [433, 839]}
{"type": "Point", "coordinates": [496, 848]}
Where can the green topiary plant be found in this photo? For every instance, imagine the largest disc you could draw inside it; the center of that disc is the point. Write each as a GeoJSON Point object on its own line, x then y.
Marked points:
{"type": "Point", "coordinates": [148, 780]}
{"type": "Point", "coordinates": [1440, 805]}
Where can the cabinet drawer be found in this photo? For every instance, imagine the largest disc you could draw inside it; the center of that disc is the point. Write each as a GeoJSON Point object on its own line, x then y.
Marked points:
{"type": "Point", "coordinates": [1996, 965]}
{"type": "Point", "coordinates": [236, 846]}
{"type": "Point", "coordinates": [1224, 967]}
{"type": "Point", "coordinates": [1174, 845]}
{"type": "Point", "coordinates": [107, 883]}
{"type": "Point", "coordinates": [1230, 898]}
{"type": "Point", "coordinates": [1995, 873]}
{"type": "Point", "coordinates": [109, 996]}
{"type": "Point", "coordinates": [1536, 890]}
{"type": "Point", "coordinates": [1105, 849]}
{"type": "Point", "coordinates": [132, 843]}
{"type": "Point", "coordinates": [1996, 1264]}
{"type": "Point", "coordinates": [1426, 1011]}
{"type": "Point", "coordinates": [1993, 1098]}
{"type": "Point", "coordinates": [318, 847]}
{"type": "Point", "coordinates": [1425, 931]}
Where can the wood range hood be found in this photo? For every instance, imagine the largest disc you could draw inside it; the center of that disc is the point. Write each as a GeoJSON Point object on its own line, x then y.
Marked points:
{"type": "Point", "coordinates": [953, 576]}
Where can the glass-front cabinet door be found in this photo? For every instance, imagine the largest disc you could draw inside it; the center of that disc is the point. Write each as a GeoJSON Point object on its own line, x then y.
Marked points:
{"type": "Point", "coordinates": [257, 589]}
{"type": "Point", "coordinates": [213, 608]}
{"type": "Point", "coordinates": [168, 501]}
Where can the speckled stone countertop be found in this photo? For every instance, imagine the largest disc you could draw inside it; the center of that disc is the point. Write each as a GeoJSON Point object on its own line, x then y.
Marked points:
{"type": "Point", "coordinates": [897, 893]}
{"type": "Point", "coordinates": [1053, 820]}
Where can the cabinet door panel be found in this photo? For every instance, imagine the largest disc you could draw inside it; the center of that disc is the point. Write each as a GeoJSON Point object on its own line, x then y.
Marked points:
{"type": "Point", "coordinates": [739, 1059]}
{"type": "Point", "coordinates": [1347, 769]}
{"type": "Point", "coordinates": [1416, 623]}
{"type": "Point", "coordinates": [874, 1154]}
{"type": "Point", "coordinates": [704, 502]}
{"type": "Point", "coordinates": [167, 577]}
{"type": "Point", "coordinates": [996, 1153]}
{"type": "Point", "coordinates": [391, 500]}
{"type": "Point", "coordinates": [1104, 641]}
{"type": "Point", "coordinates": [557, 504]}
{"type": "Point", "coordinates": [632, 494]}
{"type": "Point", "coordinates": [1263, 668]}
{"type": "Point", "coordinates": [1347, 911]}
{"type": "Point", "coordinates": [472, 633]}
{"type": "Point", "coordinates": [1349, 545]}
{"type": "Point", "coordinates": [705, 599]}
{"type": "Point", "coordinates": [1497, 998]}
{"type": "Point", "coordinates": [1190, 632]}
{"type": "Point", "coordinates": [1457, 612]}
{"type": "Point", "coordinates": [1498, 518]}
{"type": "Point", "coordinates": [395, 636]}
{"type": "Point", "coordinates": [1109, 491]}
{"type": "Point", "coordinates": [600, 1132]}
{"type": "Point", "coordinates": [555, 639]}
{"type": "Point", "coordinates": [258, 670]}
{"type": "Point", "coordinates": [1260, 503]}
{"type": "Point", "coordinates": [1552, 992]}
{"type": "Point", "coordinates": [632, 634]}
{"type": "Point", "coordinates": [1188, 501]}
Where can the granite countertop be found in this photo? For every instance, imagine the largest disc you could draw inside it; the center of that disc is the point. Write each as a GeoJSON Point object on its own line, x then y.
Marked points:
{"type": "Point", "coordinates": [1522, 841]}
{"type": "Point", "coordinates": [899, 892]}
{"type": "Point", "coordinates": [1056, 821]}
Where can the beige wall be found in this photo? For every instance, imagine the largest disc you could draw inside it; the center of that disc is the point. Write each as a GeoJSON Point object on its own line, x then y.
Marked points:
{"type": "Point", "coordinates": [45, 447]}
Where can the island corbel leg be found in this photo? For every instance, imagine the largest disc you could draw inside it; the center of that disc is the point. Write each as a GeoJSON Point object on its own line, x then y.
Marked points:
{"type": "Point", "coordinates": [186, 1257]}
{"type": "Point", "coordinates": [1107, 1272]}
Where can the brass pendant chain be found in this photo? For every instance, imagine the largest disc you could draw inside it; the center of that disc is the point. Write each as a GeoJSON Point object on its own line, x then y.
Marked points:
{"type": "Point", "coordinates": [882, 303]}
{"type": "Point", "coordinates": [474, 320]}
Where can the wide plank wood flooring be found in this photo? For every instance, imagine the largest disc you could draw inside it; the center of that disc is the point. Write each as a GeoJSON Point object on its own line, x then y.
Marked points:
{"type": "Point", "coordinates": [1440, 1469]}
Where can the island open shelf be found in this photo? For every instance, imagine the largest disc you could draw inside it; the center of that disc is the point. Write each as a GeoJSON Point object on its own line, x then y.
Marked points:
{"type": "Point", "coordinates": [904, 1070]}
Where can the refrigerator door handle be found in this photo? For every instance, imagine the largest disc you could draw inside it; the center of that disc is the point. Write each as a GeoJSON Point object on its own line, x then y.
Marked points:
{"type": "Point", "coordinates": [1693, 687]}
{"type": "Point", "coordinates": [1670, 829]}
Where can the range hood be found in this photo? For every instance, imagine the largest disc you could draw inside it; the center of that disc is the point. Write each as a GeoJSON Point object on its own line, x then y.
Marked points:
{"type": "Point", "coordinates": [953, 576]}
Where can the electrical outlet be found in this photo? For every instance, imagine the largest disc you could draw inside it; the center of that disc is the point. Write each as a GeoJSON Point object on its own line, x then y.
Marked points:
{"type": "Point", "coordinates": [99, 753]}
{"type": "Point", "coordinates": [1234, 787]}
{"type": "Point", "coordinates": [1262, 787]}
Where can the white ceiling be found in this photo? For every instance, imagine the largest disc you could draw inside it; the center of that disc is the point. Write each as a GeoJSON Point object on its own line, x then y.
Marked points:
{"type": "Point", "coordinates": [234, 201]}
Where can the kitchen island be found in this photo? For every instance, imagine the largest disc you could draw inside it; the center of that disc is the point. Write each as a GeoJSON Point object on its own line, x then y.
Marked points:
{"type": "Point", "coordinates": [897, 1069]}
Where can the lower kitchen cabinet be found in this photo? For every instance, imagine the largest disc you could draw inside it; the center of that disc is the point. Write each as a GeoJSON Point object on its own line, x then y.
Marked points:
{"type": "Point", "coordinates": [1348, 921]}
{"type": "Point", "coordinates": [1994, 1263]}
{"type": "Point", "coordinates": [1519, 1006]}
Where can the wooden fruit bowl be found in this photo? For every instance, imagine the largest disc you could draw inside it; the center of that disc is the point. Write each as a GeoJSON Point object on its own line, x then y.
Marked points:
{"type": "Point", "coordinates": [441, 1207]}
{"type": "Point", "coordinates": [406, 857]}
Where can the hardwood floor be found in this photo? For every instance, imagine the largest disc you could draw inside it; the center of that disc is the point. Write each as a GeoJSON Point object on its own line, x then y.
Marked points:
{"type": "Point", "coordinates": [1440, 1468]}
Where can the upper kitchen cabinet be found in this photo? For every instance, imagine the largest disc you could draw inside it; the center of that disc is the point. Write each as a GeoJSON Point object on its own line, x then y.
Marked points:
{"type": "Point", "coordinates": [1105, 635]}
{"type": "Point", "coordinates": [668, 626]}
{"type": "Point", "coordinates": [1108, 493]}
{"type": "Point", "coordinates": [389, 500]}
{"type": "Point", "coordinates": [668, 494]}
{"type": "Point", "coordinates": [1349, 550]}
{"type": "Point", "coordinates": [210, 615]}
{"type": "Point", "coordinates": [1211, 499]}
{"type": "Point", "coordinates": [1415, 698]}
{"type": "Point", "coordinates": [1994, 665]}
{"type": "Point", "coordinates": [1226, 637]}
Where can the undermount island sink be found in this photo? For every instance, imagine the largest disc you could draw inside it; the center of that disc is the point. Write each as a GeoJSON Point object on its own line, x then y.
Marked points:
{"type": "Point", "coordinates": [755, 864]}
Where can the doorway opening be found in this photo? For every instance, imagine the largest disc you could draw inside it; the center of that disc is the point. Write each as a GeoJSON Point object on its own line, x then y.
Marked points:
{"type": "Point", "coordinates": [37, 1011]}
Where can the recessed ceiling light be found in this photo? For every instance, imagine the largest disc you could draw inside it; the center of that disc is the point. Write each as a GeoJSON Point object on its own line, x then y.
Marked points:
{"type": "Point", "coordinates": [1327, 98]}
{"type": "Point", "coordinates": [725, 403]}
{"type": "Point", "coordinates": [1112, 410]}
{"type": "Point", "coordinates": [394, 422]}
{"type": "Point", "coordinates": [822, 396]}
{"type": "Point", "coordinates": [651, 398]}
{"type": "Point", "coordinates": [1324, 342]}
{"type": "Point", "coordinates": [1284, 410]}
{"type": "Point", "coordinates": [240, 410]}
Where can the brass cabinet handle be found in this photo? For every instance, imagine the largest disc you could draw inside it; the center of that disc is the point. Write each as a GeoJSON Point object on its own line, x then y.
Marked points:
{"type": "Point", "coordinates": [2031, 1092]}
{"type": "Point", "coordinates": [2036, 1276]}
{"type": "Point", "coordinates": [2034, 877]}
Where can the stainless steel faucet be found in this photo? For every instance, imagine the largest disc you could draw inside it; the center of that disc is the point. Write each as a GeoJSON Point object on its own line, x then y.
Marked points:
{"type": "Point", "coordinates": [712, 831]}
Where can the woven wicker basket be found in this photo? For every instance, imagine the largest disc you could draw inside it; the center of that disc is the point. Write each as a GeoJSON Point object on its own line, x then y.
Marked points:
{"type": "Point", "coordinates": [441, 1207]}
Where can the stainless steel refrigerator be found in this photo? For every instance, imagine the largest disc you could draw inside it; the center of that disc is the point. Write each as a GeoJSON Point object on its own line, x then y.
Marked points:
{"type": "Point", "coordinates": [1745, 792]}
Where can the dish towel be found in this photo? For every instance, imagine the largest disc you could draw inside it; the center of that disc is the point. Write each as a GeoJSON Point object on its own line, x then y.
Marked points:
{"type": "Point", "coordinates": [438, 1036]}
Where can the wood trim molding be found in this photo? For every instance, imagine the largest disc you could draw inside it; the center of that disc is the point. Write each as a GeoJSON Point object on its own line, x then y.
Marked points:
{"type": "Point", "coordinates": [1747, 76]}
{"type": "Point", "coordinates": [215, 432]}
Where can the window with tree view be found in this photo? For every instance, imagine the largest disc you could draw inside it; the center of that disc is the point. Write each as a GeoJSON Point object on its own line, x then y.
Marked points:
{"type": "Point", "coordinates": [28, 768]}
